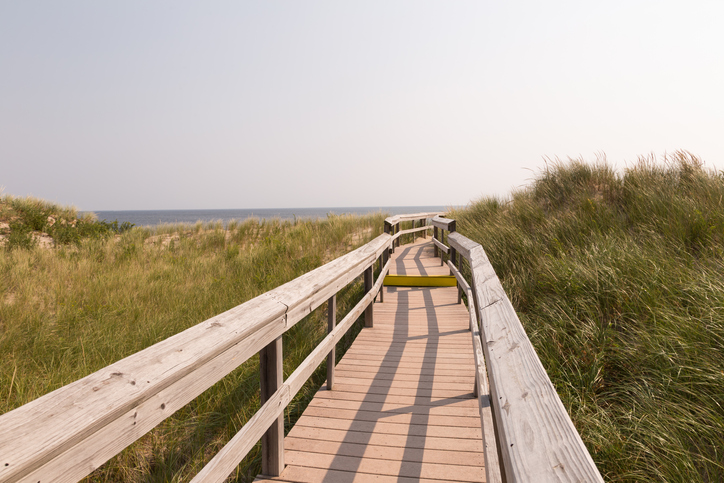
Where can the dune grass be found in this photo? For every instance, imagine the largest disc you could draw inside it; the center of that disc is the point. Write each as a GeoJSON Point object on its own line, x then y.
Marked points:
{"type": "Point", "coordinates": [70, 310]}
{"type": "Point", "coordinates": [618, 279]}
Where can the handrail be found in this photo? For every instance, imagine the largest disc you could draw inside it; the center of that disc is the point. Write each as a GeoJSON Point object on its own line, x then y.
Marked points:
{"type": "Point", "coordinates": [444, 223]}
{"type": "Point", "coordinates": [411, 230]}
{"type": "Point", "coordinates": [393, 220]}
{"type": "Point", "coordinates": [66, 434]}
{"type": "Point", "coordinates": [536, 438]}
{"type": "Point", "coordinates": [392, 225]}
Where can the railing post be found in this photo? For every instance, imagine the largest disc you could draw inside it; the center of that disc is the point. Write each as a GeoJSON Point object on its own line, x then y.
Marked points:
{"type": "Point", "coordinates": [331, 323]}
{"type": "Point", "coordinates": [272, 374]}
{"type": "Point", "coordinates": [369, 322]}
{"type": "Point", "coordinates": [434, 235]}
{"type": "Point", "coordinates": [382, 265]}
{"type": "Point", "coordinates": [442, 254]}
{"type": "Point", "coordinates": [454, 258]}
{"type": "Point", "coordinates": [423, 222]}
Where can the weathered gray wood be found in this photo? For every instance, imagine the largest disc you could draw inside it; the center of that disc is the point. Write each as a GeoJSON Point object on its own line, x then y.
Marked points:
{"type": "Point", "coordinates": [331, 323]}
{"type": "Point", "coordinates": [436, 251]}
{"type": "Point", "coordinates": [385, 261]}
{"type": "Point", "coordinates": [271, 367]}
{"type": "Point", "coordinates": [369, 313]}
{"type": "Point", "coordinates": [440, 246]}
{"type": "Point", "coordinates": [444, 223]}
{"type": "Point", "coordinates": [442, 240]}
{"type": "Point", "coordinates": [462, 245]}
{"type": "Point", "coordinates": [411, 230]}
{"type": "Point", "coordinates": [536, 435]}
{"type": "Point", "coordinates": [393, 220]}
{"type": "Point", "coordinates": [462, 283]}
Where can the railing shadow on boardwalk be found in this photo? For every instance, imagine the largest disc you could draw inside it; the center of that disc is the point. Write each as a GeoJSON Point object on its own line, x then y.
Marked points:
{"type": "Point", "coordinates": [411, 464]}
{"type": "Point", "coordinates": [400, 268]}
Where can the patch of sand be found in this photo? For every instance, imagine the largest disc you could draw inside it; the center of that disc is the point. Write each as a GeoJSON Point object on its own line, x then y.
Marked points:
{"type": "Point", "coordinates": [43, 240]}
{"type": "Point", "coordinates": [163, 240]}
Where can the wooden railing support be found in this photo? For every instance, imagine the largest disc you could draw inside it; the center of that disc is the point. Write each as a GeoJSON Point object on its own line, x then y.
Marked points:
{"type": "Point", "coordinates": [454, 261]}
{"type": "Point", "coordinates": [271, 366]}
{"type": "Point", "coordinates": [331, 323]}
{"type": "Point", "coordinates": [383, 260]}
{"type": "Point", "coordinates": [369, 321]}
{"type": "Point", "coordinates": [442, 240]}
{"type": "Point", "coordinates": [434, 235]}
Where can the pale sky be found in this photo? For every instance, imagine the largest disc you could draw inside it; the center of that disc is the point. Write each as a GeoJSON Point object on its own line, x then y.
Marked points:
{"type": "Point", "coordinates": [209, 105]}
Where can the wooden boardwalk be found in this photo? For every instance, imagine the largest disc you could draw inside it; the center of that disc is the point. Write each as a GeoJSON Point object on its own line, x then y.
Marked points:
{"type": "Point", "coordinates": [402, 407]}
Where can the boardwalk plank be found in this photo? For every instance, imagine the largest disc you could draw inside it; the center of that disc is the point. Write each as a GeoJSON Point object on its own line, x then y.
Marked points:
{"type": "Point", "coordinates": [418, 455]}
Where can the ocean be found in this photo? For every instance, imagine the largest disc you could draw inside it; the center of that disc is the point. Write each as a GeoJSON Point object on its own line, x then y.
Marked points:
{"type": "Point", "coordinates": [157, 217]}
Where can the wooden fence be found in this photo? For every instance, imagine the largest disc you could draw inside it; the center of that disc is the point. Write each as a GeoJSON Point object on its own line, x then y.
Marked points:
{"type": "Point", "coordinates": [68, 433]}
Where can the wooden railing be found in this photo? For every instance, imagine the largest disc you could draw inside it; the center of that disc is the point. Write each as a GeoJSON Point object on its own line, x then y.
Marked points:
{"type": "Point", "coordinates": [68, 433]}
{"type": "Point", "coordinates": [393, 225]}
{"type": "Point", "coordinates": [527, 433]}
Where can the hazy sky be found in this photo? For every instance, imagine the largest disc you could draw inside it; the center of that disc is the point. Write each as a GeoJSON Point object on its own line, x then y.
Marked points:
{"type": "Point", "coordinates": [174, 104]}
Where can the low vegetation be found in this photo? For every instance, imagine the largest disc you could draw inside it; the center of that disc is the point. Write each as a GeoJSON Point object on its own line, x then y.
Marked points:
{"type": "Point", "coordinates": [618, 278]}
{"type": "Point", "coordinates": [69, 308]}
{"type": "Point", "coordinates": [27, 222]}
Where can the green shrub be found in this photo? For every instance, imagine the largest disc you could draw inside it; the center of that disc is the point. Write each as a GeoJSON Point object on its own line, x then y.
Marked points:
{"type": "Point", "coordinates": [33, 213]}
{"type": "Point", "coordinates": [20, 236]}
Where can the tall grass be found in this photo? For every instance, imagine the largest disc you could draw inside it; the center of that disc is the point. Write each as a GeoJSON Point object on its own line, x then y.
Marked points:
{"type": "Point", "coordinates": [619, 282]}
{"type": "Point", "coordinates": [68, 311]}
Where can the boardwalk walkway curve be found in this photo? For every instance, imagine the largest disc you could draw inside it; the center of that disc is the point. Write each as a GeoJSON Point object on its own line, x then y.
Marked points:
{"type": "Point", "coordinates": [429, 391]}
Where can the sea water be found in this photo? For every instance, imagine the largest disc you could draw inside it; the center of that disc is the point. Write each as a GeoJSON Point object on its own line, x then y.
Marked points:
{"type": "Point", "coordinates": [157, 217]}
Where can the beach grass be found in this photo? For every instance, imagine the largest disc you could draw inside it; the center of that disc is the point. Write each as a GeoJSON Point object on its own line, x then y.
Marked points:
{"type": "Point", "coordinates": [618, 279]}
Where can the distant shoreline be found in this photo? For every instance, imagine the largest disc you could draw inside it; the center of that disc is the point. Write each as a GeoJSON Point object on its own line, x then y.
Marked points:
{"type": "Point", "coordinates": [158, 217]}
